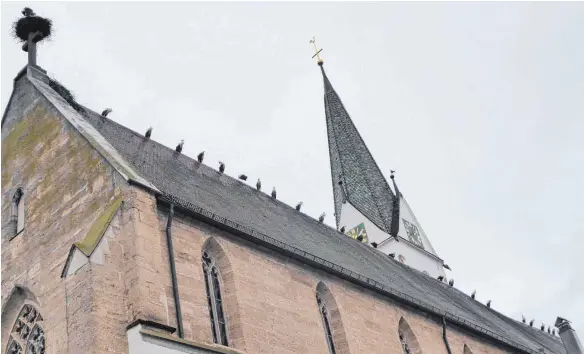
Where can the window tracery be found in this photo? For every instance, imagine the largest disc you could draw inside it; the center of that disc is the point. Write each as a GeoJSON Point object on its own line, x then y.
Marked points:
{"type": "Point", "coordinates": [214, 300]}
{"type": "Point", "coordinates": [27, 335]}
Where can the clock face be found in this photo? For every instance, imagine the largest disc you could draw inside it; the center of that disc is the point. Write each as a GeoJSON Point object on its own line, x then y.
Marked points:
{"type": "Point", "coordinates": [413, 234]}
{"type": "Point", "coordinates": [357, 231]}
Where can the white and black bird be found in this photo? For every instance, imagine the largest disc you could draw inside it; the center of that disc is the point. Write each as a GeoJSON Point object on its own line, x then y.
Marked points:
{"type": "Point", "coordinates": [473, 295]}
{"type": "Point", "coordinates": [299, 205]}
{"type": "Point", "coordinates": [441, 277]}
{"type": "Point", "coordinates": [148, 133]}
{"type": "Point", "coordinates": [542, 327]}
{"type": "Point", "coordinates": [489, 303]}
{"type": "Point", "coordinates": [523, 318]}
{"type": "Point", "coordinates": [274, 192]}
{"type": "Point", "coordinates": [531, 323]}
{"type": "Point", "coordinates": [549, 330]}
{"type": "Point", "coordinates": [221, 167]}
{"type": "Point", "coordinates": [321, 217]}
{"type": "Point", "coordinates": [451, 282]}
{"type": "Point", "coordinates": [242, 177]}
{"type": "Point", "coordinates": [201, 156]}
{"type": "Point", "coordinates": [392, 255]}
{"type": "Point", "coordinates": [343, 229]}
{"type": "Point", "coordinates": [446, 266]}
{"type": "Point", "coordinates": [179, 147]}
{"type": "Point", "coordinates": [553, 331]}
{"type": "Point", "coordinates": [28, 12]}
{"type": "Point", "coordinates": [106, 112]}
{"type": "Point", "coordinates": [259, 185]}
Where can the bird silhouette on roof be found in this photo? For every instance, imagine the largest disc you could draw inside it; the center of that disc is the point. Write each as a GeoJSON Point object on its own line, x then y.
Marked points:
{"type": "Point", "coordinates": [180, 145]}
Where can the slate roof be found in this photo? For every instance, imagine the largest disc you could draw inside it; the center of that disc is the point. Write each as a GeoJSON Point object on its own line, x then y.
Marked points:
{"type": "Point", "coordinates": [363, 184]}
{"type": "Point", "coordinates": [200, 188]}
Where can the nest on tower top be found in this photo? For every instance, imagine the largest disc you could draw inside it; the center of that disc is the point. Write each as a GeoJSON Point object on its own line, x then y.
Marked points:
{"type": "Point", "coordinates": [31, 23]}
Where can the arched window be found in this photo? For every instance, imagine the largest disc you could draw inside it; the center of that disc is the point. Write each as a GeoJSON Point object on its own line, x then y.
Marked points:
{"type": "Point", "coordinates": [214, 299]}
{"type": "Point", "coordinates": [407, 338]}
{"type": "Point", "coordinates": [27, 335]}
{"type": "Point", "coordinates": [18, 211]}
{"type": "Point", "coordinates": [326, 323]}
{"type": "Point", "coordinates": [332, 322]}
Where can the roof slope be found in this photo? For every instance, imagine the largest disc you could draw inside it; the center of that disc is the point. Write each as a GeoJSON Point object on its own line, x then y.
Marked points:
{"type": "Point", "coordinates": [355, 174]}
{"type": "Point", "coordinates": [199, 185]}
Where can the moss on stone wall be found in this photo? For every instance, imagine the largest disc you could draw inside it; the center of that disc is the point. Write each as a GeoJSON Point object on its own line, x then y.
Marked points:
{"type": "Point", "coordinates": [58, 166]}
{"type": "Point", "coordinates": [99, 226]}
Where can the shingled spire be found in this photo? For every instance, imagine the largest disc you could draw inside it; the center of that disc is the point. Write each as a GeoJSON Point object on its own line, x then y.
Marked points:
{"type": "Point", "coordinates": [356, 177]}
{"type": "Point", "coordinates": [395, 216]}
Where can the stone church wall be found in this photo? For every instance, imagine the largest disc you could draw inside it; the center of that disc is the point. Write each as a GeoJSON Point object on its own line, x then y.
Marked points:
{"type": "Point", "coordinates": [64, 183]}
{"type": "Point", "coordinates": [270, 304]}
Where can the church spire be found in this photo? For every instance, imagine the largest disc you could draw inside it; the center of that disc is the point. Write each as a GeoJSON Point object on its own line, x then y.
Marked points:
{"type": "Point", "coordinates": [355, 175]}
{"type": "Point", "coordinates": [395, 215]}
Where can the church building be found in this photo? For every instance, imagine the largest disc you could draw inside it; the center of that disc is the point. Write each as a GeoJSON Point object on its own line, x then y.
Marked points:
{"type": "Point", "coordinates": [114, 243]}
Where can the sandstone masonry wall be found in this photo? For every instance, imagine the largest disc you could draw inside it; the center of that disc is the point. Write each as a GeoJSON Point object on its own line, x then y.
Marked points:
{"type": "Point", "coordinates": [66, 183]}
{"type": "Point", "coordinates": [276, 306]}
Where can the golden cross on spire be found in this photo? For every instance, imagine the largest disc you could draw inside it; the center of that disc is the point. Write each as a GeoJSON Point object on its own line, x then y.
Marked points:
{"type": "Point", "coordinates": [316, 51]}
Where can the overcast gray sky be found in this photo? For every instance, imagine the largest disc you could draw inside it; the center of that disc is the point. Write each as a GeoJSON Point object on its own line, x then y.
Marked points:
{"type": "Point", "coordinates": [478, 106]}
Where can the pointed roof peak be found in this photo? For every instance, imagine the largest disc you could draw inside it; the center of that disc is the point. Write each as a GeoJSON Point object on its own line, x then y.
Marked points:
{"type": "Point", "coordinates": [355, 174]}
{"type": "Point", "coordinates": [395, 189]}
{"type": "Point", "coordinates": [327, 84]}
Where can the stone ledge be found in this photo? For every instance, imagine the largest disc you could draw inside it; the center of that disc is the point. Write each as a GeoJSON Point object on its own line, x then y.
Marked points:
{"type": "Point", "coordinates": [215, 348]}
{"type": "Point", "coordinates": [147, 324]}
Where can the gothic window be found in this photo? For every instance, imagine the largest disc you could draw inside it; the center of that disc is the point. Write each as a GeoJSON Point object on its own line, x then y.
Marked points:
{"type": "Point", "coordinates": [27, 335]}
{"type": "Point", "coordinates": [18, 211]}
{"type": "Point", "coordinates": [326, 323]}
{"type": "Point", "coordinates": [407, 338]}
{"type": "Point", "coordinates": [214, 300]}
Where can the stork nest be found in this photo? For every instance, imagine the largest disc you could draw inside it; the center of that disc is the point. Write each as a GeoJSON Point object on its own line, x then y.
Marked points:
{"type": "Point", "coordinates": [31, 24]}
{"type": "Point", "coordinates": [66, 95]}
